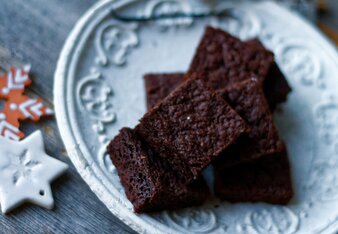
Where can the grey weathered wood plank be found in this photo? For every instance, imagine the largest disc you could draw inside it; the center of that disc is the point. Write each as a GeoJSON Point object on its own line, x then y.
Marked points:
{"type": "Point", "coordinates": [330, 18]}
{"type": "Point", "coordinates": [34, 32]}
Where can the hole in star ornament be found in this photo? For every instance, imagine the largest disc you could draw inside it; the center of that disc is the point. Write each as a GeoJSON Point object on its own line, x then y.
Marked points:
{"type": "Point", "coordinates": [17, 106]}
{"type": "Point", "coordinates": [26, 172]}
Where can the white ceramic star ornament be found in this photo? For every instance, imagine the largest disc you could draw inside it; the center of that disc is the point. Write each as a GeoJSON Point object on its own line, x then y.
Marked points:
{"type": "Point", "coordinates": [26, 172]}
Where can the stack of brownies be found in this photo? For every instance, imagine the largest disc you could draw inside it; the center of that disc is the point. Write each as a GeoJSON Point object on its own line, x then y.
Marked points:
{"type": "Point", "coordinates": [219, 113]}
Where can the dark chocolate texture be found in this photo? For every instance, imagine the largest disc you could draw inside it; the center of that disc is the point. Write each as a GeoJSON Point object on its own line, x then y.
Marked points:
{"type": "Point", "coordinates": [265, 180]}
{"type": "Point", "coordinates": [276, 87]}
{"type": "Point", "coordinates": [191, 127]}
{"type": "Point", "coordinates": [248, 99]}
{"type": "Point", "coordinates": [149, 182]}
{"type": "Point", "coordinates": [227, 60]}
{"type": "Point", "coordinates": [158, 86]}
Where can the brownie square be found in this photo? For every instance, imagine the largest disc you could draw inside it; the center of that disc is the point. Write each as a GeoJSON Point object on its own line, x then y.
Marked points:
{"type": "Point", "coordinates": [149, 182]}
{"type": "Point", "coordinates": [158, 86]}
{"type": "Point", "coordinates": [248, 99]}
{"type": "Point", "coordinates": [191, 127]}
{"type": "Point", "coordinates": [265, 180]}
{"type": "Point", "coordinates": [227, 60]}
{"type": "Point", "coordinates": [276, 87]}
{"type": "Point", "coordinates": [208, 58]}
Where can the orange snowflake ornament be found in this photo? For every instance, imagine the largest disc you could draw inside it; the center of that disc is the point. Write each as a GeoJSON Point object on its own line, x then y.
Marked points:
{"type": "Point", "coordinates": [18, 107]}
{"type": "Point", "coordinates": [14, 81]}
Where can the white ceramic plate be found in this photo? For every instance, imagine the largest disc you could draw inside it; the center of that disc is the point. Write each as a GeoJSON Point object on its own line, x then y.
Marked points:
{"type": "Point", "coordinates": [99, 89]}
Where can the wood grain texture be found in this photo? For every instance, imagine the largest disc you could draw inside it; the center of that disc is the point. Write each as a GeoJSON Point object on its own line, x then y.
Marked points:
{"type": "Point", "coordinates": [329, 15]}
{"type": "Point", "coordinates": [328, 19]}
{"type": "Point", "coordinates": [33, 32]}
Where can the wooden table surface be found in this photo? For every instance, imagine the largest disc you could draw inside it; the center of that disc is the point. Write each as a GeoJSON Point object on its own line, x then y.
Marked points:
{"type": "Point", "coordinates": [33, 31]}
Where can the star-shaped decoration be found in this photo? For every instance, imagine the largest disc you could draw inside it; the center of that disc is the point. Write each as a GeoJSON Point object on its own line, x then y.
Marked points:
{"type": "Point", "coordinates": [18, 107]}
{"type": "Point", "coordinates": [26, 172]}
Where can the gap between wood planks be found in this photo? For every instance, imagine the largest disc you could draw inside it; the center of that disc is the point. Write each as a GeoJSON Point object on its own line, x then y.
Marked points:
{"type": "Point", "coordinates": [6, 60]}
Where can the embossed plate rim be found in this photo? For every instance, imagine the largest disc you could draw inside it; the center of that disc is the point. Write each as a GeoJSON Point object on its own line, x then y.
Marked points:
{"type": "Point", "coordinates": [69, 136]}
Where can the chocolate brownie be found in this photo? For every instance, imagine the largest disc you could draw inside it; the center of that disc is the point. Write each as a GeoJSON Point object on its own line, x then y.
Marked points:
{"type": "Point", "coordinates": [227, 60]}
{"type": "Point", "coordinates": [149, 182]}
{"type": "Point", "coordinates": [248, 99]}
{"type": "Point", "coordinates": [158, 86]}
{"type": "Point", "coordinates": [191, 127]}
{"type": "Point", "coordinates": [265, 180]}
{"type": "Point", "coordinates": [208, 58]}
{"type": "Point", "coordinates": [276, 87]}
{"type": "Point", "coordinates": [243, 59]}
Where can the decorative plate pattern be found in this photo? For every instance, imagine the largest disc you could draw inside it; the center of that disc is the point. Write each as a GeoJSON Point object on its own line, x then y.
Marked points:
{"type": "Point", "coordinates": [99, 89]}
